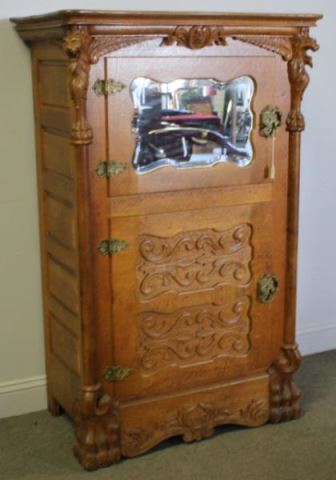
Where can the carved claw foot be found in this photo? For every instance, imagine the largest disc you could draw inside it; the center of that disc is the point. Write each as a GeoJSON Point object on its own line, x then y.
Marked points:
{"type": "Point", "coordinates": [97, 429]}
{"type": "Point", "coordinates": [284, 394]}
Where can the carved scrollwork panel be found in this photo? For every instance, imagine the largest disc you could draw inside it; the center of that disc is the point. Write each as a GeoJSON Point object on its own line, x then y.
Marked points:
{"type": "Point", "coordinates": [194, 261]}
{"type": "Point", "coordinates": [194, 334]}
{"type": "Point", "coordinates": [194, 421]}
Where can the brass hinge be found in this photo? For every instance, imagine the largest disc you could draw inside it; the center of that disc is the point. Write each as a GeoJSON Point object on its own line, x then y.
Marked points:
{"type": "Point", "coordinates": [112, 246]}
{"type": "Point", "coordinates": [107, 87]}
{"type": "Point", "coordinates": [110, 168]}
{"type": "Point", "coordinates": [116, 373]}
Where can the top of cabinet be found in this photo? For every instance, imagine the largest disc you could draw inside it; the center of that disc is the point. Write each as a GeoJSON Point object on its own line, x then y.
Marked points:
{"type": "Point", "coordinates": [55, 25]}
{"type": "Point", "coordinates": [107, 17]}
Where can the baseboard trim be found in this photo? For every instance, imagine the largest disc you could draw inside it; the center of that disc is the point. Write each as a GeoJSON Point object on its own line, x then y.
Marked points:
{"type": "Point", "coordinates": [30, 394]}
{"type": "Point", "coordinates": [316, 340]}
{"type": "Point", "coordinates": [23, 396]}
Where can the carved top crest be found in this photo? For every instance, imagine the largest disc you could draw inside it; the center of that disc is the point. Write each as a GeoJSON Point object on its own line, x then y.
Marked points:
{"type": "Point", "coordinates": [196, 37]}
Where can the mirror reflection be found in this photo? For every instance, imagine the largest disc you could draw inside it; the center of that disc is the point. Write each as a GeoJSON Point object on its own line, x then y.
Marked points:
{"type": "Point", "coordinates": [191, 123]}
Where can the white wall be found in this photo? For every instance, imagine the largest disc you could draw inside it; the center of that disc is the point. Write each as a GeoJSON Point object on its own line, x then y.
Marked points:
{"type": "Point", "coordinates": [22, 374]}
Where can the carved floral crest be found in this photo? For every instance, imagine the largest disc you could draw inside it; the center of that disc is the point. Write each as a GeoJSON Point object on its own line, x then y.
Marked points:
{"type": "Point", "coordinates": [196, 37]}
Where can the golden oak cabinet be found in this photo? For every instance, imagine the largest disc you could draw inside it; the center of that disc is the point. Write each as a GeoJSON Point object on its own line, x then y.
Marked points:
{"type": "Point", "coordinates": [168, 162]}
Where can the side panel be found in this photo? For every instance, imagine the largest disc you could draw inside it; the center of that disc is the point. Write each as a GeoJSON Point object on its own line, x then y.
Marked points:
{"type": "Point", "coordinates": [58, 225]}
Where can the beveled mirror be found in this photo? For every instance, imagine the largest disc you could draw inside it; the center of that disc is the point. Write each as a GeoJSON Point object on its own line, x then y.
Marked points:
{"type": "Point", "coordinates": [190, 123]}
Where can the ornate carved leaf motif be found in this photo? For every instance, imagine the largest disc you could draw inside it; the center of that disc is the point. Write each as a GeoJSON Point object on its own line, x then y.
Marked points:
{"type": "Point", "coordinates": [194, 422]}
{"type": "Point", "coordinates": [196, 37]}
{"type": "Point", "coordinates": [76, 44]}
{"type": "Point", "coordinates": [97, 428]}
{"type": "Point", "coordinates": [195, 333]}
{"type": "Point", "coordinates": [298, 77]}
{"type": "Point", "coordinates": [194, 261]}
{"type": "Point", "coordinates": [256, 411]}
{"type": "Point", "coordinates": [106, 44]}
{"type": "Point", "coordinates": [280, 45]}
{"type": "Point", "coordinates": [285, 395]}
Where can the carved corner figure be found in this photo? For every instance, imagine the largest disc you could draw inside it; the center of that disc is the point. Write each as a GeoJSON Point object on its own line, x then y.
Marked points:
{"type": "Point", "coordinates": [97, 429]}
{"type": "Point", "coordinates": [298, 77]}
{"type": "Point", "coordinates": [284, 395]}
{"type": "Point", "coordinates": [76, 44]}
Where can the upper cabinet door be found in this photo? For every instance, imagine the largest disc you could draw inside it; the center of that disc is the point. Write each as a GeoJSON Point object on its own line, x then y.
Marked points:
{"type": "Point", "coordinates": [187, 122]}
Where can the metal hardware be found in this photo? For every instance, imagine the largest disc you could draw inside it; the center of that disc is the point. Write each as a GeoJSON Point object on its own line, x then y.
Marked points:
{"type": "Point", "coordinates": [267, 287]}
{"type": "Point", "coordinates": [116, 373]}
{"type": "Point", "coordinates": [107, 87]}
{"type": "Point", "coordinates": [110, 169]}
{"type": "Point", "coordinates": [112, 246]}
{"type": "Point", "coordinates": [270, 121]}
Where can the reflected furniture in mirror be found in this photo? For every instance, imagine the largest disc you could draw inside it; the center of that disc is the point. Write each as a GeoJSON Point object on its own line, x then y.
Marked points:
{"type": "Point", "coordinates": [191, 122]}
{"type": "Point", "coordinates": [168, 149]}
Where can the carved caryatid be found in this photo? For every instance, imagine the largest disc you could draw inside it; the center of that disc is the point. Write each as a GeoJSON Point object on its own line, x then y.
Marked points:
{"type": "Point", "coordinates": [298, 77]}
{"type": "Point", "coordinates": [76, 44]}
{"type": "Point", "coordinates": [293, 49]}
{"type": "Point", "coordinates": [193, 334]}
{"type": "Point", "coordinates": [84, 50]}
{"type": "Point", "coordinates": [97, 428]}
{"type": "Point", "coordinates": [196, 37]}
{"type": "Point", "coordinates": [283, 391]}
{"type": "Point", "coordinates": [194, 261]}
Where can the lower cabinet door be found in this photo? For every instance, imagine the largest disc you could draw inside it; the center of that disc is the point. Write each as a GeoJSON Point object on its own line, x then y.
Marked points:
{"type": "Point", "coordinates": [195, 298]}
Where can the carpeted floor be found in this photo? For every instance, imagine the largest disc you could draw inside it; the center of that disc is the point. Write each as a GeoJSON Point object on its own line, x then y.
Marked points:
{"type": "Point", "coordinates": [37, 446]}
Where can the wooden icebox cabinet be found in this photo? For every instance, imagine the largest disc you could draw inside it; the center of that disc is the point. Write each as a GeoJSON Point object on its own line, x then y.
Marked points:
{"type": "Point", "coordinates": [168, 151]}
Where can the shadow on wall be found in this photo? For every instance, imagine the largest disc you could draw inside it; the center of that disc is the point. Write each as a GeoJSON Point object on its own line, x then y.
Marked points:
{"type": "Point", "coordinates": [20, 307]}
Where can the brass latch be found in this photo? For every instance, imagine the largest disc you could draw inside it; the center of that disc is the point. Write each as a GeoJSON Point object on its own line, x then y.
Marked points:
{"type": "Point", "coordinates": [112, 246]}
{"type": "Point", "coordinates": [107, 87]}
{"type": "Point", "coordinates": [270, 121]}
{"type": "Point", "coordinates": [116, 373]}
{"type": "Point", "coordinates": [110, 168]}
{"type": "Point", "coordinates": [267, 287]}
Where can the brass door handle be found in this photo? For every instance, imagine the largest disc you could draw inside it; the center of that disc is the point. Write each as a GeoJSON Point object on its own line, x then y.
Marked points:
{"type": "Point", "coordinates": [267, 287]}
